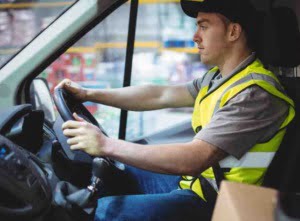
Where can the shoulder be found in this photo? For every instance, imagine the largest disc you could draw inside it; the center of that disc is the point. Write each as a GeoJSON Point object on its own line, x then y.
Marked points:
{"type": "Point", "coordinates": [255, 93]}
{"type": "Point", "coordinates": [256, 101]}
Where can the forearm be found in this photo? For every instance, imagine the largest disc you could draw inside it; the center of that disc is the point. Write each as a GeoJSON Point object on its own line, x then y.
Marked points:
{"type": "Point", "coordinates": [143, 98]}
{"type": "Point", "coordinates": [177, 159]}
{"type": "Point", "coordinates": [136, 98]}
{"type": "Point", "coordinates": [180, 158]}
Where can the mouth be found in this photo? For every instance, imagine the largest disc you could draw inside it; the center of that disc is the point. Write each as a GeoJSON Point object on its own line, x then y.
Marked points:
{"type": "Point", "coordinates": [200, 49]}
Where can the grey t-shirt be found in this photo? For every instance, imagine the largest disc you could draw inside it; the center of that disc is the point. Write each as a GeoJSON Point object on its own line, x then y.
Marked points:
{"type": "Point", "coordinates": [251, 117]}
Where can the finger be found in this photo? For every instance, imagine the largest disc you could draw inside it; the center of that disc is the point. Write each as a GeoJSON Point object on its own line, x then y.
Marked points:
{"type": "Point", "coordinates": [71, 132]}
{"type": "Point", "coordinates": [76, 147]}
{"type": "Point", "coordinates": [73, 141]}
{"type": "Point", "coordinates": [63, 83]}
{"type": "Point", "coordinates": [72, 124]}
{"type": "Point", "coordinates": [75, 115]}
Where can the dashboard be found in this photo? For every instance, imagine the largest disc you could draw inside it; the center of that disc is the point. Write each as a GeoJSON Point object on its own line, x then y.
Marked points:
{"type": "Point", "coordinates": [23, 126]}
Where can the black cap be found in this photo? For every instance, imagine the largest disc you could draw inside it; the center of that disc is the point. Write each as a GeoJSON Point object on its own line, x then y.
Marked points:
{"type": "Point", "coordinates": [239, 11]}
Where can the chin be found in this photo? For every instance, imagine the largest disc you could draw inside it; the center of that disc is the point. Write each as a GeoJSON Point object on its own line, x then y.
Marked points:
{"type": "Point", "coordinates": [204, 60]}
{"type": "Point", "coordinates": [207, 61]}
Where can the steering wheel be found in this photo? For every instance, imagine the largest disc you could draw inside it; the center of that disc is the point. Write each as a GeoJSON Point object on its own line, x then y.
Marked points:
{"type": "Point", "coordinates": [66, 104]}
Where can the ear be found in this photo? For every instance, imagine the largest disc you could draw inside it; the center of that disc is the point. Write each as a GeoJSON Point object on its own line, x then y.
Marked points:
{"type": "Point", "coordinates": [234, 31]}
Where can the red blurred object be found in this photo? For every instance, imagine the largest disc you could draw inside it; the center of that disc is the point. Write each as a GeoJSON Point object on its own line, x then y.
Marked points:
{"type": "Point", "coordinates": [76, 67]}
{"type": "Point", "coordinates": [72, 66]}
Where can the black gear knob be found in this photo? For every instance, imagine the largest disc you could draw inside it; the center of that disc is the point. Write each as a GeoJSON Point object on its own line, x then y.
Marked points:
{"type": "Point", "coordinates": [100, 167]}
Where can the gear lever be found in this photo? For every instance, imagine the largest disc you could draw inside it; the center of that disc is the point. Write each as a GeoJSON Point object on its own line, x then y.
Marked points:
{"type": "Point", "coordinates": [100, 167]}
{"type": "Point", "coordinates": [71, 198]}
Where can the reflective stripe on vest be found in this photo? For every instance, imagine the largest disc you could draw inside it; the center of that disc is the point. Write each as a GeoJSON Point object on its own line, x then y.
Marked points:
{"type": "Point", "coordinates": [249, 160]}
{"type": "Point", "coordinates": [252, 166]}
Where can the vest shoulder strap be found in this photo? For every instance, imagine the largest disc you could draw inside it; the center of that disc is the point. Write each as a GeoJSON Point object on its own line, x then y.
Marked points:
{"type": "Point", "coordinates": [266, 82]}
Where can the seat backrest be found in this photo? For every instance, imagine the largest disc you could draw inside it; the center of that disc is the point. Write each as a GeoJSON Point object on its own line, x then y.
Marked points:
{"type": "Point", "coordinates": [281, 48]}
{"type": "Point", "coordinates": [279, 41]}
{"type": "Point", "coordinates": [283, 173]}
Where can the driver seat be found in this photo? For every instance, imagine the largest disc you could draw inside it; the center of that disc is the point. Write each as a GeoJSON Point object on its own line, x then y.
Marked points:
{"type": "Point", "coordinates": [281, 46]}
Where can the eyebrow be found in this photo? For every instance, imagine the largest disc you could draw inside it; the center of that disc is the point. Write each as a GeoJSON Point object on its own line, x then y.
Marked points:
{"type": "Point", "coordinates": [202, 20]}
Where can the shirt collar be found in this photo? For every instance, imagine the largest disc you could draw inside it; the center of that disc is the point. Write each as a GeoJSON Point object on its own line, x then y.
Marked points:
{"type": "Point", "coordinates": [244, 64]}
{"type": "Point", "coordinates": [219, 79]}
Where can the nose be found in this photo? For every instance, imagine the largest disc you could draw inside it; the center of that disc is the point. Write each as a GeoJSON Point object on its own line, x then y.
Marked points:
{"type": "Point", "coordinates": [197, 37]}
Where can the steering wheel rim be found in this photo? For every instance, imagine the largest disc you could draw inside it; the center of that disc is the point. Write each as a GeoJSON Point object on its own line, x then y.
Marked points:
{"type": "Point", "coordinates": [66, 105]}
{"type": "Point", "coordinates": [63, 102]}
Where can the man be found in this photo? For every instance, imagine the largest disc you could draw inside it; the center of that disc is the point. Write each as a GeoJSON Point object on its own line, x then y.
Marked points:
{"type": "Point", "coordinates": [240, 112]}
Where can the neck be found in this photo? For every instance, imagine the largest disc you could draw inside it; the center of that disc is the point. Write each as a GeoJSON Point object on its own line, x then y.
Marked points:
{"type": "Point", "coordinates": [232, 61]}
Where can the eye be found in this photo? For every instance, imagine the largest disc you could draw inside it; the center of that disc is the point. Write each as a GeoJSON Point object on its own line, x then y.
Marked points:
{"type": "Point", "coordinates": [202, 27]}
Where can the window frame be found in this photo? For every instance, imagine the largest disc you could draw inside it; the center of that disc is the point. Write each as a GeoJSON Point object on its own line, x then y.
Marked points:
{"type": "Point", "coordinates": [69, 27]}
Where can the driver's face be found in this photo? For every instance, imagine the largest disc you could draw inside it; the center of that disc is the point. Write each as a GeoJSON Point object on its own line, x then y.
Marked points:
{"type": "Point", "coordinates": [211, 38]}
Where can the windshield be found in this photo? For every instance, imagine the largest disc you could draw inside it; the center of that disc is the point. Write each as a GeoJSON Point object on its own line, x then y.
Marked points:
{"type": "Point", "coordinates": [20, 22]}
{"type": "Point", "coordinates": [164, 53]}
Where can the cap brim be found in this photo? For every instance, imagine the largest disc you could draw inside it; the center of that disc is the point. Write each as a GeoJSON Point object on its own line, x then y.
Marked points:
{"type": "Point", "coordinates": [193, 7]}
{"type": "Point", "coordinates": [190, 8]}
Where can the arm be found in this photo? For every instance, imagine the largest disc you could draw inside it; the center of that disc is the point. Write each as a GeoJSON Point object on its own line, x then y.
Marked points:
{"type": "Point", "coordinates": [141, 98]}
{"type": "Point", "coordinates": [180, 158]}
{"type": "Point", "coordinates": [190, 158]}
{"type": "Point", "coordinates": [135, 98]}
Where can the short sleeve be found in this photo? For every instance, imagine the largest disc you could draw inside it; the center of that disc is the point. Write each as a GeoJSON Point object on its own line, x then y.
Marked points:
{"type": "Point", "coordinates": [194, 87]}
{"type": "Point", "coordinates": [251, 117]}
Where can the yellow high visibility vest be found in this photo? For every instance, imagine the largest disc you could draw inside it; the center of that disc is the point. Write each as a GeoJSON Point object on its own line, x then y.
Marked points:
{"type": "Point", "coordinates": [252, 166]}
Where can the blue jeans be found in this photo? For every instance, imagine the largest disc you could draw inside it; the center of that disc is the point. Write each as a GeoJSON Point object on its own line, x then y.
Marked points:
{"type": "Point", "coordinates": [152, 197]}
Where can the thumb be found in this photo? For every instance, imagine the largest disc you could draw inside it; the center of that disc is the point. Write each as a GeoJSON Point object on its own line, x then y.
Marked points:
{"type": "Point", "coordinates": [77, 117]}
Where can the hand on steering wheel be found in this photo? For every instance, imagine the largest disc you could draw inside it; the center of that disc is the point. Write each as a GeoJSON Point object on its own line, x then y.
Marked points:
{"type": "Point", "coordinates": [78, 92]}
{"type": "Point", "coordinates": [84, 136]}
{"type": "Point", "coordinates": [67, 105]}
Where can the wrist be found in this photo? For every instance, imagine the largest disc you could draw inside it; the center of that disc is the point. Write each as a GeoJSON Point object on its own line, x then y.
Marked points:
{"type": "Point", "coordinates": [108, 147]}
{"type": "Point", "coordinates": [93, 95]}
{"type": "Point", "coordinates": [87, 94]}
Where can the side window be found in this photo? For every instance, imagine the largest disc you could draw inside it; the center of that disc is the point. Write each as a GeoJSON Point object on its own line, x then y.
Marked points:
{"type": "Point", "coordinates": [97, 60]}
{"type": "Point", "coordinates": [21, 21]}
{"type": "Point", "coordinates": [164, 54]}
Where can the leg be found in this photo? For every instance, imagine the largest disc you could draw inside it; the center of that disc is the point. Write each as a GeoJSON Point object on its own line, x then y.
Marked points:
{"type": "Point", "coordinates": [177, 205]}
{"type": "Point", "coordinates": [146, 182]}
{"type": "Point", "coordinates": [138, 181]}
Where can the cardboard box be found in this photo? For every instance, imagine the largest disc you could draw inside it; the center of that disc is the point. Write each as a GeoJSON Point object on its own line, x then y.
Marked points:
{"type": "Point", "coordinates": [242, 202]}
